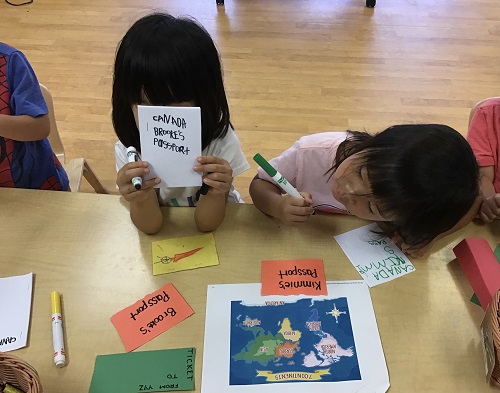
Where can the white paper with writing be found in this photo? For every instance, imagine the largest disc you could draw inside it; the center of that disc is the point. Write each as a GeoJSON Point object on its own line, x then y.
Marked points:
{"type": "Point", "coordinates": [170, 143]}
{"type": "Point", "coordinates": [15, 309]}
{"type": "Point", "coordinates": [375, 257]}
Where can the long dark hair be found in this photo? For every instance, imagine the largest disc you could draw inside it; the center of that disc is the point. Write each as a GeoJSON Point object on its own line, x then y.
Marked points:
{"type": "Point", "coordinates": [170, 60]}
{"type": "Point", "coordinates": [424, 177]}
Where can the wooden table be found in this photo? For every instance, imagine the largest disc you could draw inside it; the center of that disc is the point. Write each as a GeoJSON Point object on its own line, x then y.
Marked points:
{"type": "Point", "coordinates": [85, 246]}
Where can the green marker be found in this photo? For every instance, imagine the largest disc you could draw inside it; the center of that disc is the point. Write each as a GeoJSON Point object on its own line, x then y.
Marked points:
{"type": "Point", "coordinates": [278, 177]}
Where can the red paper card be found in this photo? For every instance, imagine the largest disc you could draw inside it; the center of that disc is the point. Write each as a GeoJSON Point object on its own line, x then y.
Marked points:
{"type": "Point", "coordinates": [151, 316]}
{"type": "Point", "coordinates": [480, 267]}
{"type": "Point", "coordinates": [293, 277]}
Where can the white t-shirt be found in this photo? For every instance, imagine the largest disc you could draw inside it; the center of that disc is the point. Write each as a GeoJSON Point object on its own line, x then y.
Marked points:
{"type": "Point", "coordinates": [227, 148]}
{"type": "Point", "coordinates": [305, 164]}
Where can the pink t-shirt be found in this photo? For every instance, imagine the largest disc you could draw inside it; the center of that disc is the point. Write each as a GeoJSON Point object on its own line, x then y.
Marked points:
{"type": "Point", "coordinates": [484, 135]}
{"type": "Point", "coordinates": [304, 166]}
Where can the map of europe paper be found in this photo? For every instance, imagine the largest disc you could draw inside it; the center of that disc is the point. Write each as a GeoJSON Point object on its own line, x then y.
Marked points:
{"type": "Point", "coordinates": [298, 341]}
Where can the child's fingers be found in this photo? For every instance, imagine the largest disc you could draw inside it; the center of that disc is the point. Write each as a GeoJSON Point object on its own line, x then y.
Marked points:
{"type": "Point", "coordinates": [218, 181]}
{"type": "Point", "coordinates": [406, 250]}
{"type": "Point", "coordinates": [496, 200]}
{"type": "Point", "coordinates": [294, 210]}
{"type": "Point", "coordinates": [296, 201]}
{"type": "Point", "coordinates": [494, 208]}
{"type": "Point", "coordinates": [420, 252]}
{"type": "Point", "coordinates": [307, 197]}
{"type": "Point", "coordinates": [213, 168]}
{"type": "Point", "coordinates": [217, 185]}
{"type": "Point", "coordinates": [218, 176]}
{"type": "Point", "coordinates": [489, 210]}
{"type": "Point", "coordinates": [298, 206]}
{"type": "Point", "coordinates": [133, 195]}
{"type": "Point", "coordinates": [137, 195]}
{"type": "Point", "coordinates": [404, 247]}
{"type": "Point", "coordinates": [212, 164]}
{"type": "Point", "coordinates": [396, 238]}
{"type": "Point", "coordinates": [136, 172]}
{"type": "Point", "coordinates": [135, 164]}
{"type": "Point", "coordinates": [129, 189]}
{"type": "Point", "coordinates": [413, 251]}
{"type": "Point", "coordinates": [415, 254]}
{"type": "Point", "coordinates": [150, 183]}
{"type": "Point", "coordinates": [131, 170]}
{"type": "Point", "coordinates": [295, 219]}
{"type": "Point", "coordinates": [299, 211]}
{"type": "Point", "coordinates": [211, 160]}
{"type": "Point", "coordinates": [487, 216]}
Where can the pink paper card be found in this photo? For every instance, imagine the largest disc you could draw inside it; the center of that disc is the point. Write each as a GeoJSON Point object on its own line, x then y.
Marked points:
{"type": "Point", "coordinates": [293, 277]}
{"type": "Point", "coordinates": [151, 316]}
{"type": "Point", "coordinates": [480, 267]}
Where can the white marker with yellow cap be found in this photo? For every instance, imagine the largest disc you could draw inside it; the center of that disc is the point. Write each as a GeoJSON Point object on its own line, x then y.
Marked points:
{"type": "Point", "coordinates": [57, 330]}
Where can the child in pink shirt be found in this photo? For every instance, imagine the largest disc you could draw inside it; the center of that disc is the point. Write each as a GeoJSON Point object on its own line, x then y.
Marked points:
{"type": "Point", "coordinates": [483, 136]}
{"type": "Point", "coordinates": [420, 180]}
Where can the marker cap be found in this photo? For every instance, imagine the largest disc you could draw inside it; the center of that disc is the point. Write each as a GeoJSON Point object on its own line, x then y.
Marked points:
{"type": "Point", "coordinates": [132, 155]}
{"type": "Point", "coordinates": [55, 301]}
{"type": "Point", "coordinates": [137, 183]}
{"type": "Point", "coordinates": [131, 149]}
{"type": "Point", "coordinates": [265, 165]}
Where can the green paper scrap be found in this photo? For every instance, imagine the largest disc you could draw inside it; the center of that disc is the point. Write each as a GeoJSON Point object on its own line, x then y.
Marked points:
{"type": "Point", "coordinates": [153, 371]}
{"type": "Point", "coordinates": [497, 253]}
{"type": "Point", "coordinates": [474, 298]}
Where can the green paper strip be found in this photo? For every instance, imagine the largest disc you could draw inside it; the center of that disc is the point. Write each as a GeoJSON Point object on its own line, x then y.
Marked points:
{"type": "Point", "coordinates": [154, 371]}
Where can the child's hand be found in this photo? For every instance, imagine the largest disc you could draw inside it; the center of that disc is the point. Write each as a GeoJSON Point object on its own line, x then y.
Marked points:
{"type": "Point", "coordinates": [416, 252]}
{"type": "Point", "coordinates": [490, 208]}
{"type": "Point", "coordinates": [218, 174]}
{"type": "Point", "coordinates": [293, 210]}
{"type": "Point", "coordinates": [124, 181]}
{"type": "Point", "coordinates": [411, 251]}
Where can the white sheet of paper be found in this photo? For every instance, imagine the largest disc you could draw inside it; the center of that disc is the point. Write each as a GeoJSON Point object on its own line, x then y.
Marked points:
{"type": "Point", "coordinates": [170, 143]}
{"type": "Point", "coordinates": [375, 257]}
{"type": "Point", "coordinates": [310, 339]}
{"type": "Point", "coordinates": [15, 309]}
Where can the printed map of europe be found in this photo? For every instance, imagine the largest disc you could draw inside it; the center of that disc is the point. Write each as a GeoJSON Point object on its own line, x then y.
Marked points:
{"type": "Point", "coordinates": [300, 341]}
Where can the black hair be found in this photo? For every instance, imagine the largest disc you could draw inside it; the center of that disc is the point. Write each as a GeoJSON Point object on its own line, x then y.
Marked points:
{"type": "Point", "coordinates": [424, 177]}
{"type": "Point", "coordinates": [170, 60]}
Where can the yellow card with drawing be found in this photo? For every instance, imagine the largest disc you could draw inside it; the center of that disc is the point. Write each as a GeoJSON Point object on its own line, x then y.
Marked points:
{"type": "Point", "coordinates": [184, 253]}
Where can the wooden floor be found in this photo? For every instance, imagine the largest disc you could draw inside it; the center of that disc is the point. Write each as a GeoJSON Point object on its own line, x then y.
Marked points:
{"type": "Point", "coordinates": [292, 67]}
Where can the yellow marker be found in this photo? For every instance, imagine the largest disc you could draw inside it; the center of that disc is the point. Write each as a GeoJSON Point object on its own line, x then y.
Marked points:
{"type": "Point", "coordinates": [57, 330]}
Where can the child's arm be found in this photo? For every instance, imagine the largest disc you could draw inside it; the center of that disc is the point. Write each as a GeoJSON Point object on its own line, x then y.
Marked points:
{"type": "Point", "coordinates": [24, 128]}
{"type": "Point", "coordinates": [483, 138]}
{"type": "Point", "coordinates": [211, 208]}
{"type": "Point", "coordinates": [267, 198]}
{"type": "Point", "coordinates": [28, 119]}
{"type": "Point", "coordinates": [490, 208]}
{"type": "Point", "coordinates": [145, 209]}
{"type": "Point", "coordinates": [210, 211]}
{"type": "Point", "coordinates": [146, 213]}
